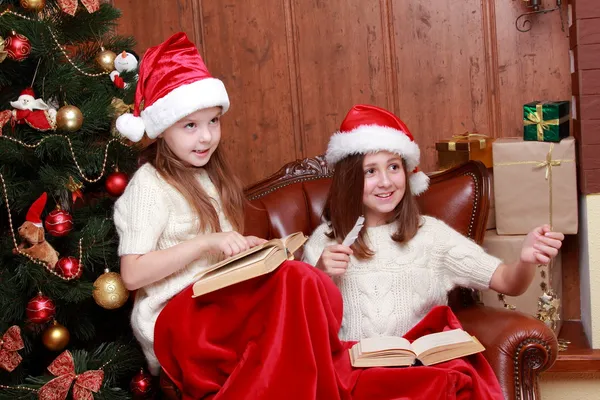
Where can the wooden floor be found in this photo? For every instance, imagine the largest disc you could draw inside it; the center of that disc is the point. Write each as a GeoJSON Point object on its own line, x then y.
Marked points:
{"type": "Point", "coordinates": [579, 356]}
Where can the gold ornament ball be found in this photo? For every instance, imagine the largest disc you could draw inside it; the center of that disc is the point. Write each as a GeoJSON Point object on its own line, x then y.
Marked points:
{"type": "Point", "coordinates": [33, 5]}
{"type": "Point", "coordinates": [109, 291]}
{"type": "Point", "coordinates": [106, 59]}
{"type": "Point", "coordinates": [56, 337]}
{"type": "Point", "coordinates": [69, 118]}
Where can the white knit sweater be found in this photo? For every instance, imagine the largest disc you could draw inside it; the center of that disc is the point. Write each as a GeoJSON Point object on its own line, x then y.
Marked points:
{"type": "Point", "coordinates": [389, 293]}
{"type": "Point", "coordinates": [153, 215]}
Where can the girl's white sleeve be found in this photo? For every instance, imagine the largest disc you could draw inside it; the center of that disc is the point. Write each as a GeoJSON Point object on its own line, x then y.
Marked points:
{"type": "Point", "coordinates": [463, 262]}
{"type": "Point", "coordinates": [141, 215]}
{"type": "Point", "coordinates": [314, 246]}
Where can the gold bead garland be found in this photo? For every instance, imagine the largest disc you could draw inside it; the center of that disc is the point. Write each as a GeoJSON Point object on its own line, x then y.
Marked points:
{"type": "Point", "coordinates": [60, 47]}
{"type": "Point", "coordinates": [89, 180]}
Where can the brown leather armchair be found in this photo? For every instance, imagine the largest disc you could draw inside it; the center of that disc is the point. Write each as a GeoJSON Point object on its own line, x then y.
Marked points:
{"type": "Point", "coordinates": [519, 347]}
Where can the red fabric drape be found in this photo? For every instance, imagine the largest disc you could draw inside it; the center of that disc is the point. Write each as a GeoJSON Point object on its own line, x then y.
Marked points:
{"type": "Point", "coordinates": [275, 337]}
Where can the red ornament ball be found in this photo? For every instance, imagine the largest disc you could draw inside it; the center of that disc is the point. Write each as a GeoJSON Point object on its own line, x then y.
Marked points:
{"type": "Point", "coordinates": [141, 385]}
{"type": "Point", "coordinates": [59, 222]}
{"type": "Point", "coordinates": [69, 267]}
{"type": "Point", "coordinates": [116, 183]}
{"type": "Point", "coordinates": [40, 309]}
{"type": "Point", "coordinates": [17, 46]}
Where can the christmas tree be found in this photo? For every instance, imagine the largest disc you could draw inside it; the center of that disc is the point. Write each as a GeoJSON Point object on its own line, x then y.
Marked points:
{"type": "Point", "coordinates": [64, 78]}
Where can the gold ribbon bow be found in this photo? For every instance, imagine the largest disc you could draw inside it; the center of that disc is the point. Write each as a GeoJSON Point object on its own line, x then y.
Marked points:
{"type": "Point", "coordinates": [120, 106]}
{"type": "Point", "coordinates": [10, 343]}
{"type": "Point", "coordinates": [467, 136]}
{"type": "Point", "coordinates": [70, 6]}
{"type": "Point", "coordinates": [63, 367]}
{"type": "Point", "coordinates": [537, 118]}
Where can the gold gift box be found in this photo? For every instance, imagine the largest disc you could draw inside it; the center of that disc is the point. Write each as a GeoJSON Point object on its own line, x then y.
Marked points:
{"type": "Point", "coordinates": [463, 148]}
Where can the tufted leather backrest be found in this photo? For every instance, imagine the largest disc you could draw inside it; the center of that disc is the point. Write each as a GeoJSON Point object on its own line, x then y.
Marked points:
{"type": "Point", "coordinates": [292, 200]}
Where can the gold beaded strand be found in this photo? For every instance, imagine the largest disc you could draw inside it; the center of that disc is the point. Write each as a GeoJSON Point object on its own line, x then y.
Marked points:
{"type": "Point", "coordinates": [83, 176]}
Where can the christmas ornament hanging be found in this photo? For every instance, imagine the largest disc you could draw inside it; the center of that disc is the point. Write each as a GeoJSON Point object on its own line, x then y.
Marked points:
{"type": "Point", "coordinates": [32, 111]}
{"type": "Point", "coordinates": [59, 222]}
{"type": "Point", "coordinates": [106, 59]}
{"type": "Point", "coordinates": [69, 267]}
{"type": "Point", "coordinates": [109, 290]}
{"type": "Point", "coordinates": [40, 309]}
{"type": "Point", "coordinates": [74, 186]}
{"type": "Point", "coordinates": [141, 385]}
{"type": "Point", "coordinates": [69, 118]}
{"type": "Point", "coordinates": [116, 183]}
{"type": "Point", "coordinates": [3, 53]}
{"type": "Point", "coordinates": [10, 343]}
{"type": "Point", "coordinates": [33, 5]}
{"type": "Point", "coordinates": [17, 46]}
{"type": "Point", "coordinates": [56, 337]}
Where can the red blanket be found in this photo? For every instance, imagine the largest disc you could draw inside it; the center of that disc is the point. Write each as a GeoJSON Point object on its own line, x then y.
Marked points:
{"type": "Point", "coordinates": [275, 337]}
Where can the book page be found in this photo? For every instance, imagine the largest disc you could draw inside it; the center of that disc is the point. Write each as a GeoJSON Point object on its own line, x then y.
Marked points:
{"type": "Point", "coordinates": [440, 339]}
{"type": "Point", "coordinates": [383, 343]}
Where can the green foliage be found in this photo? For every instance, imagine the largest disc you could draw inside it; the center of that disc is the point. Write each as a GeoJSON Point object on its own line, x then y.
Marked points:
{"type": "Point", "coordinates": [97, 335]}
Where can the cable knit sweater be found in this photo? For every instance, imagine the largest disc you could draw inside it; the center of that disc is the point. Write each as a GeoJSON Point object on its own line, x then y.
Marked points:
{"type": "Point", "coordinates": [389, 293]}
{"type": "Point", "coordinates": [153, 215]}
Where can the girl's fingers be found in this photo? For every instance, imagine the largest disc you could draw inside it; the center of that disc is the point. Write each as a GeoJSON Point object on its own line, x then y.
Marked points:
{"type": "Point", "coordinates": [549, 241]}
{"type": "Point", "coordinates": [546, 250]}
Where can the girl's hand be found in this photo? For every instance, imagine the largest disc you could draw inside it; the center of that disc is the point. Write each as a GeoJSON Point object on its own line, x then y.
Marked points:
{"type": "Point", "coordinates": [334, 259]}
{"type": "Point", "coordinates": [255, 241]}
{"type": "Point", "coordinates": [541, 245]}
{"type": "Point", "coordinates": [228, 243]}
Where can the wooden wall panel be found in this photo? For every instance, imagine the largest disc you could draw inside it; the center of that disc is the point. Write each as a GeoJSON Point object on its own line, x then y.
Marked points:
{"type": "Point", "coordinates": [293, 68]}
{"type": "Point", "coordinates": [440, 60]}
{"type": "Point", "coordinates": [340, 54]}
{"type": "Point", "coordinates": [246, 46]}
{"type": "Point", "coordinates": [152, 21]}
{"type": "Point", "coordinates": [532, 65]}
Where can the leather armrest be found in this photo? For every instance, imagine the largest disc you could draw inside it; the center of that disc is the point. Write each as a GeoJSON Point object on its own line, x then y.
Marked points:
{"type": "Point", "coordinates": [518, 347]}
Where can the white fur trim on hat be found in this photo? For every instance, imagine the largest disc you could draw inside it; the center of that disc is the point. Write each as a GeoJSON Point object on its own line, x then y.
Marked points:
{"type": "Point", "coordinates": [183, 101]}
{"type": "Point", "coordinates": [131, 127]}
{"type": "Point", "coordinates": [372, 138]}
{"type": "Point", "coordinates": [419, 182]}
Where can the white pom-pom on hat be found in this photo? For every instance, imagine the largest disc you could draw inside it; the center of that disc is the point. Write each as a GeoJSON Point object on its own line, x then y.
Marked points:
{"type": "Point", "coordinates": [131, 127]}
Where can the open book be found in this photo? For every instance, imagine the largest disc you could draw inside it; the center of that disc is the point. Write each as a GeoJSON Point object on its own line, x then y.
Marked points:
{"type": "Point", "coordinates": [258, 260]}
{"type": "Point", "coordinates": [392, 351]}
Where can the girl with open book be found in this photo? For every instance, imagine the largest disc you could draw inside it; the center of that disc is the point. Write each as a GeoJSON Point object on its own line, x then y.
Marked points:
{"type": "Point", "coordinates": [183, 209]}
{"type": "Point", "coordinates": [402, 264]}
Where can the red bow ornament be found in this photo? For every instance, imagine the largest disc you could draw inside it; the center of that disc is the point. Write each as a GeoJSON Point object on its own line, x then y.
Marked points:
{"type": "Point", "coordinates": [10, 343]}
{"type": "Point", "coordinates": [63, 368]}
{"type": "Point", "coordinates": [70, 6]}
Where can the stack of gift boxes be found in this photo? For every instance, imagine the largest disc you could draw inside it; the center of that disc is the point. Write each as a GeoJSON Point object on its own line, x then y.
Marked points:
{"type": "Point", "coordinates": [533, 183]}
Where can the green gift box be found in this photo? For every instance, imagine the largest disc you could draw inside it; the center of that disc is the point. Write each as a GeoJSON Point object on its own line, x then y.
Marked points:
{"type": "Point", "coordinates": [546, 121]}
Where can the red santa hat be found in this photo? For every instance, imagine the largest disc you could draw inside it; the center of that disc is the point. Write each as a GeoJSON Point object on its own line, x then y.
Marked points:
{"type": "Point", "coordinates": [369, 129]}
{"type": "Point", "coordinates": [34, 214]}
{"type": "Point", "coordinates": [173, 83]}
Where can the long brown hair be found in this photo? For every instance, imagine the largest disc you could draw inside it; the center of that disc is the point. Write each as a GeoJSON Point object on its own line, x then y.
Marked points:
{"type": "Point", "coordinates": [184, 179]}
{"type": "Point", "coordinates": [344, 205]}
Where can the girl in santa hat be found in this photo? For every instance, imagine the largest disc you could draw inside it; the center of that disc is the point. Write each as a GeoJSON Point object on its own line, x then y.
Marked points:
{"type": "Point", "coordinates": [402, 263]}
{"type": "Point", "coordinates": [183, 209]}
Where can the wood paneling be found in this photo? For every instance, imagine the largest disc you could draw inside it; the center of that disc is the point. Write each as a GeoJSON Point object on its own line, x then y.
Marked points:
{"type": "Point", "coordinates": [340, 62]}
{"type": "Point", "coordinates": [531, 66]}
{"type": "Point", "coordinates": [246, 47]}
{"type": "Point", "coordinates": [441, 67]}
{"type": "Point", "coordinates": [294, 68]}
{"type": "Point", "coordinates": [152, 21]}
